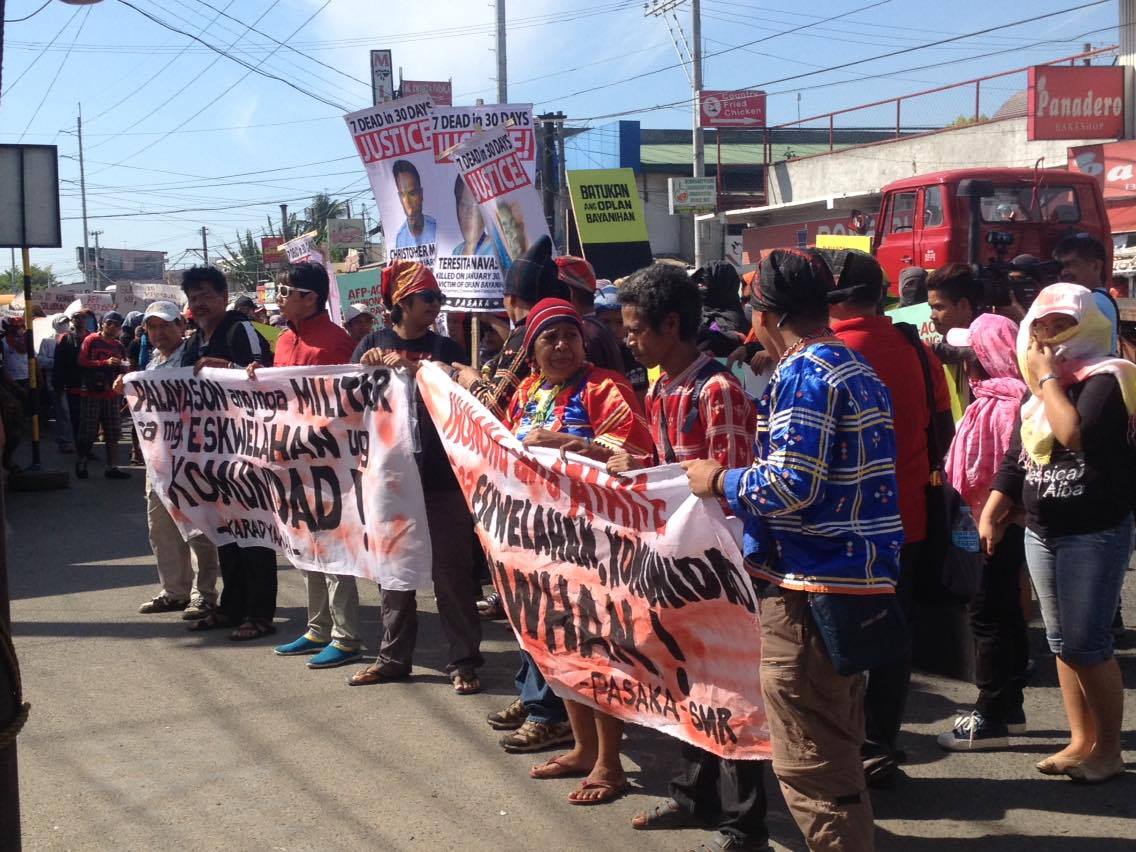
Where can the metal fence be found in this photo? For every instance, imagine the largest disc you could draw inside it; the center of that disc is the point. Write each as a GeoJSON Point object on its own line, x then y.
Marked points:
{"type": "Point", "coordinates": [979, 101]}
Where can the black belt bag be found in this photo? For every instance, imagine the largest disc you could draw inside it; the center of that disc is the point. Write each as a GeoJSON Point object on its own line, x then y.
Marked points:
{"type": "Point", "coordinates": [861, 632]}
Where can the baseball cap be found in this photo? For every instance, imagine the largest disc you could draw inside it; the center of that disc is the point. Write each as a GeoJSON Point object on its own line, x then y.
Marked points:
{"type": "Point", "coordinates": [607, 298]}
{"type": "Point", "coordinates": [243, 302]}
{"type": "Point", "coordinates": [576, 272]}
{"type": "Point", "coordinates": [163, 310]}
{"type": "Point", "coordinates": [356, 310]}
{"type": "Point", "coordinates": [112, 316]}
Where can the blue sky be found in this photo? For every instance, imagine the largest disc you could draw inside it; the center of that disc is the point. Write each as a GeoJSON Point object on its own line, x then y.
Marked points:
{"type": "Point", "coordinates": [171, 127]}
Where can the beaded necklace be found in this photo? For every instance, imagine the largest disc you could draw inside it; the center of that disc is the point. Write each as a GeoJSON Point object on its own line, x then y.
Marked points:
{"type": "Point", "coordinates": [543, 412]}
{"type": "Point", "coordinates": [802, 343]}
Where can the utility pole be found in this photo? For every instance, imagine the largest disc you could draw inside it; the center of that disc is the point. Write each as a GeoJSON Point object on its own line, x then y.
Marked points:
{"type": "Point", "coordinates": [502, 73]}
{"type": "Point", "coordinates": [95, 278]}
{"type": "Point", "coordinates": [699, 152]}
{"type": "Point", "coordinates": [563, 182]}
{"type": "Point", "coordinates": [1127, 31]}
{"type": "Point", "coordinates": [284, 229]}
{"type": "Point", "coordinates": [83, 194]}
{"type": "Point", "coordinates": [660, 9]}
{"type": "Point", "coordinates": [204, 247]}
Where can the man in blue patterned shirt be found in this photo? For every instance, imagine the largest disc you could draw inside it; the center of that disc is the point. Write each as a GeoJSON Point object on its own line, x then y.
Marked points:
{"type": "Point", "coordinates": [821, 516]}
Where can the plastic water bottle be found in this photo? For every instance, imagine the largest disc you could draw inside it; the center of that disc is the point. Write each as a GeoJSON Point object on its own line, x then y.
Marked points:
{"type": "Point", "coordinates": [964, 536]}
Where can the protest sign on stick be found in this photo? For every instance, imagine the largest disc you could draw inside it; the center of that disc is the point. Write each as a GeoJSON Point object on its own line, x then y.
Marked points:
{"type": "Point", "coordinates": [491, 166]}
{"type": "Point", "coordinates": [303, 249]}
{"type": "Point", "coordinates": [394, 141]}
{"type": "Point", "coordinates": [315, 462]}
{"type": "Point", "coordinates": [467, 266]}
{"type": "Point", "coordinates": [627, 591]}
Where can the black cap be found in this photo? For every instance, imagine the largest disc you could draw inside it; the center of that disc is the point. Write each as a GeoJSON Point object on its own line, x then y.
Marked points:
{"type": "Point", "coordinates": [244, 302]}
{"type": "Point", "coordinates": [793, 282]}
{"type": "Point", "coordinates": [858, 275]}
{"type": "Point", "coordinates": [534, 275]}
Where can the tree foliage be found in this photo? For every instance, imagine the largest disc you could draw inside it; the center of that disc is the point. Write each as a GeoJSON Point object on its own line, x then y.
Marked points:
{"type": "Point", "coordinates": [42, 277]}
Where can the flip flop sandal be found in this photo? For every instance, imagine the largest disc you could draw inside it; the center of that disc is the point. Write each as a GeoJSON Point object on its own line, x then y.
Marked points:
{"type": "Point", "coordinates": [465, 683]}
{"type": "Point", "coordinates": [250, 630]}
{"type": "Point", "coordinates": [608, 792]}
{"type": "Point", "coordinates": [562, 770]}
{"type": "Point", "coordinates": [663, 816]}
{"type": "Point", "coordinates": [210, 622]}
{"type": "Point", "coordinates": [370, 677]}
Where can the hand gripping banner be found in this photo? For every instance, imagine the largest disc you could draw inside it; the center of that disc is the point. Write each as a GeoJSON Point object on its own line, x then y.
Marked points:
{"type": "Point", "coordinates": [315, 462]}
{"type": "Point", "coordinates": [627, 591]}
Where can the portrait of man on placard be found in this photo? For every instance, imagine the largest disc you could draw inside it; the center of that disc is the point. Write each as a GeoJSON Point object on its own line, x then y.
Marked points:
{"type": "Point", "coordinates": [474, 239]}
{"type": "Point", "coordinates": [419, 229]}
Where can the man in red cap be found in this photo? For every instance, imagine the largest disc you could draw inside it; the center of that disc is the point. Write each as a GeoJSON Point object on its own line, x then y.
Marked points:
{"type": "Point", "coordinates": [599, 343]}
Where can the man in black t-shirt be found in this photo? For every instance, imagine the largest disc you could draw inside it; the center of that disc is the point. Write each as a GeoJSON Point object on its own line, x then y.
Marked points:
{"type": "Point", "coordinates": [226, 339]}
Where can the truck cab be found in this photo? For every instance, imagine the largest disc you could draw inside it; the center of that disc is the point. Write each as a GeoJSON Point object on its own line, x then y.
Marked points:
{"type": "Point", "coordinates": [984, 216]}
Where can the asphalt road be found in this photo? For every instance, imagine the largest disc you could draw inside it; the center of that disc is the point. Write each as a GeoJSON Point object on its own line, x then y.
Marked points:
{"type": "Point", "coordinates": [143, 736]}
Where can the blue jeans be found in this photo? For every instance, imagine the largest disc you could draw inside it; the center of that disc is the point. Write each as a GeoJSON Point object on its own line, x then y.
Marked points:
{"type": "Point", "coordinates": [1078, 580]}
{"type": "Point", "coordinates": [541, 703]}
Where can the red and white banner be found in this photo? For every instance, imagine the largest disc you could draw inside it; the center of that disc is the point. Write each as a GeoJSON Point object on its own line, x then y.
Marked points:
{"type": "Point", "coordinates": [1075, 102]}
{"type": "Point", "coordinates": [441, 92]}
{"type": "Point", "coordinates": [270, 252]}
{"type": "Point", "coordinates": [315, 462]}
{"type": "Point", "coordinates": [742, 109]}
{"type": "Point", "coordinates": [492, 168]}
{"type": "Point", "coordinates": [627, 591]}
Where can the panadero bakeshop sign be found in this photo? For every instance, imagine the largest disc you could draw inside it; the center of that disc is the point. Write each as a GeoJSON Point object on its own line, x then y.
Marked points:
{"type": "Point", "coordinates": [1075, 102]}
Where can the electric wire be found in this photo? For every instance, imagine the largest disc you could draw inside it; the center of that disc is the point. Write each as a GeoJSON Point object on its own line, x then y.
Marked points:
{"type": "Point", "coordinates": [27, 17]}
{"type": "Point", "coordinates": [40, 55]}
{"type": "Point", "coordinates": [58, 71]}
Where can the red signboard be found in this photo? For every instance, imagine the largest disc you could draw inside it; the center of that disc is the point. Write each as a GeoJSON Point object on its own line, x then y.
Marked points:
{"type": "Point", "coordinates": [441, 92]}
{"type": "Point", "coordinates": [270, 251]}
{"type": "Point", "coordinates": [1112, 164]}
{"type": "Point", "coordinates": [731, 109]}
{"type": "Point", "coordinates": [1075, 102]}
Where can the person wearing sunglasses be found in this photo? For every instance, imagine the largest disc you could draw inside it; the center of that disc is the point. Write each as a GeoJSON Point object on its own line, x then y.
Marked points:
{"type": "Point", "coordinates": [411, 294]}
{"type": "Point", "coordinates": [312, 339]}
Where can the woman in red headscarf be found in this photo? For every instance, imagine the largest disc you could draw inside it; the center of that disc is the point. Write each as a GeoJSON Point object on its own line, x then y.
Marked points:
{"type": "Point", "coordinates": [412, 296]}
{"type": "Point", "coordinates": [569, 404]}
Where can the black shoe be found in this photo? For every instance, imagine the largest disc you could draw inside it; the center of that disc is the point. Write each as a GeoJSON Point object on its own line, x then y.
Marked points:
{"type": "Point", "coordinates": [115, 473]}
{"type": "Point", "coordinates": [881, 770]}
{"type": "Point", "coordinates": [81, 469]}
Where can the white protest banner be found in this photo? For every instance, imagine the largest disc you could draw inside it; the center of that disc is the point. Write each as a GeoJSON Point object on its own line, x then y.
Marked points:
{"type": "Point", "coordinates": [53, 300]}
{"type": "Point", "coordinates": [315, 462]}
{"type": "Point", "coordinates": [469, 273]}
{"type": "Point", "coordinates": [397, 150]}
{"type": "Point", "coordinates": [627, 591]}
{"type": "Point", "coordinates": [135, 297]}
{"type": "Point", "coordinates": [303, 249]}
{"type": "Point", "coordinates": [491, 166]}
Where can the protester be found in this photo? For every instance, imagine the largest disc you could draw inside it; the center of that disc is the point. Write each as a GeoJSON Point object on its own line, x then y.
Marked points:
{"type": "Point", "coordinates": [134, 339]}
{"type": "Point", "coordinates": [600, 343]}
{"type": "Point", "coordinates": [610, 313]}
{"type": "Point", "coordinates": [64, 437]}
{"type": "Point", "coordinates": [996, 617]}
{"type": "Point", "coordinates": [245, 305]}
{"type": "Point", "coordinates": [102, 357]}
{"type": "Point", "coordinates": [723, 326]}
{"type": "Point", "coordinates": [187, 570]}
{"type": "Point", "coordinates": [1083, 260]}
{"type": "Point", "coordinates": [358, 321]}
{"type": "Point", "coordinates": [857, 321]}
{"type": "Point", "coordinates": [312, 339]}
{"type": "Point", "coordinates": [65, 373]}
{"type": "Point", "coordinates": [956, 298]}
{"type": "Point", "coordinates": [411, 294]}
{"type": "Point", "coordinates": [15, 353]}
{"type": "Point", "coordinates": [1075, 428]}
{"type": "Point", "coordinates": [822, 528]}
{"type": "Point", "coordinates": [226, 339]}
{"type": "Point", "coordinates": [912, 286]}
{"type": "Point", "coordinates": [696, 410]}
{"type": "Point", "coordinates": [571, 405]}
{"type": "Point", "coordinates": [537, 719]}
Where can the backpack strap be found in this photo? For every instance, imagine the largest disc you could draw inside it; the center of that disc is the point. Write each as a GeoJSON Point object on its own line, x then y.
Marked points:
{"type": "Point", "coordinates": [935, 449]}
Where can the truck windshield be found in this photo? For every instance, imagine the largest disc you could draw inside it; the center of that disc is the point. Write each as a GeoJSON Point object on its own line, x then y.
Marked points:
{"type": "Point", "coordinates": [1056, 204]}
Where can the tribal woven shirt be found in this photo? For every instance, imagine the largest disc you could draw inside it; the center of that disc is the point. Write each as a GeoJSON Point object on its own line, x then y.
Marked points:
{"type": "Point", "coordinates": [820, 502]}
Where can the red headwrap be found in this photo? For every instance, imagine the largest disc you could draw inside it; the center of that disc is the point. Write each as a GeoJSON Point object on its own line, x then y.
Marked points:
{"type": "Point", "coordinates": [576, 272]}
{"type": "Point", "coordinates": [402, 278]}
{"type": "Point", "coordinates": [545, 313]}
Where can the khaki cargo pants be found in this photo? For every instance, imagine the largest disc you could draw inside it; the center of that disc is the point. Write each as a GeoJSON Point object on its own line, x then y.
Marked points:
{"type": "Point", "coordinates": [816, 723]}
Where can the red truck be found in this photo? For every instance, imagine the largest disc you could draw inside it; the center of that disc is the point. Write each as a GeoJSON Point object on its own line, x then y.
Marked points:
{"type": "Point", "coordinates": [984, 216]}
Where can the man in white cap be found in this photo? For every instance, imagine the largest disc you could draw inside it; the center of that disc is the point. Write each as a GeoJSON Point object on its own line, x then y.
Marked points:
{"type": "Point", "coordinates": [183, 587]}
{"type": "Point", "coordinates": [358, 320]}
